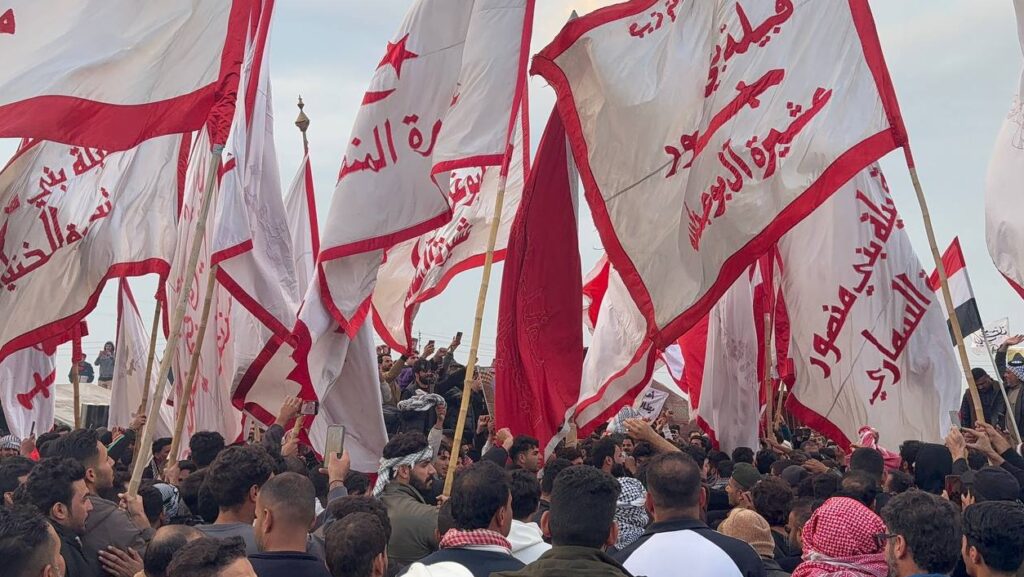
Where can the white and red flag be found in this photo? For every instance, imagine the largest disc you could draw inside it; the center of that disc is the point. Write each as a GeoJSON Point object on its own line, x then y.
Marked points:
{"type": "Point", "coordinates": [27, 390]}
{"type": "Point", "coordinates": [113, 73]}
{"type": "Point", "coordinates": [444, 97]}
{"type": "Point", "coordinates": [419, 269]}
{"type": "Point", "coordinates": [300, 207]}
{"type": "Point", "coordinates": [73, 217]}
{"type": "Point", "coordinates": [869, 338]}
{"type": "Point", "coordinates": [1004, 232]}
{"type": "Point", "coordinates": [732, 121]}
{"type": "Point", "coordinates": [964, 304]}
{"type": "Point", "coordinates": [595, 285]}
{"type": "Point", "coordinates": [131, 356]}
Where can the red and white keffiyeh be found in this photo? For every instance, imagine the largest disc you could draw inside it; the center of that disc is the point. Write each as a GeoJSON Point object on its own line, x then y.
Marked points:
{"type": "Point", "coordinates": [839, 541]}
{"type": "Point", "coordinates": [457, 538]}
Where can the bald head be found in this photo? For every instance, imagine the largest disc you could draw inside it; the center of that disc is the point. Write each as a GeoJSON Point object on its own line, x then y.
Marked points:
{"type": "Point", "coordinates": [166, 541]}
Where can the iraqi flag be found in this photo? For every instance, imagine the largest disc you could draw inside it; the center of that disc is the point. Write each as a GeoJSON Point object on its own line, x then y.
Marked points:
{"type": "Point", "coordinates": [960, 289]}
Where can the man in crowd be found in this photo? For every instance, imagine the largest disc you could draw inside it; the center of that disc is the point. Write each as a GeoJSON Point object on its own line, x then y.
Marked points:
{"type": "Point", "coordinates": [211, 558]}
{"type": "Point", "coordinates": [923, 532]}
{"type": "Point", "coordinates": [547, 484]}
{"type": "Point", "coordinates": [58, 490]}
{"type": "Point", "coordinates": [772, 499]}
{"type": "Point", "coordinates": [29, 546]}
{"type": "Point", "coordinates": [204, 447]}
{"type": "Point", "coordinates": [992, 404]}
{"type": "Point", "coordinates": [526, 537]}
{"type": "Point", "coordinates": [744, 477]}
{"type": "Point", "coordinates": [581, 525]}
{"type": "Point", "coordinates": [405, 474]}
{"type": "Point", "coordinates": [1012, 371]}
{"type": "Point", "coordinates": [715, 478]}
{"type": "Point", "coordinates": [234, 480]}
{"type": "Point", "coordinates": [993, 539]}
{"type": "Point", "coordinates": [165, 543]}
{"type": "Point", "coordinates": [525, 454]}
{"type": "Point", "coordinates": [799, 513]}
{"type": "Point", "coordinates": [284, 514]}
{"type": "Point", "coordinates": [678, 538]}
{"type": "Point", "coordinates": [481, 505]}
{"type": "Point", "coordinates": [753, 529]}
{"type": "Point", "coordinates": [13, 474]}
{"type": "Point", "coordinates": [108, 526]}
{"type": "Point", "coordinates": [357, 546]}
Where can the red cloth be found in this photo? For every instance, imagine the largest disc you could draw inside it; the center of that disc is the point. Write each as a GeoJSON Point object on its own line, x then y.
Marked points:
{"type": "Point", "coordinates": [540, 338]}
{"type": "Point", "coordinates": [869, 438]}
{"type": "Point", "coordinates": [839, 541]}
{"type": "Point", "coordinates": [456, 538]}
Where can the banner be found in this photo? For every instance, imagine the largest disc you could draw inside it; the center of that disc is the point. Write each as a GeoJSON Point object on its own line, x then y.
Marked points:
{"type": "Point", "coordinates": [444, 97]}
{"type": "Point", "coordinates": [159, 69]}
{"type": "Point", "coordinates": [27, 380]}
{"type": "Point", "coordinates": [991, 337]}
{"type": "Point", "coordinates": [964, 305]}
{"type": "Point", "coordinates": [650, 403]}
{"type": "Point", "coordinates": [732, 121]}
{"type": "Point", "coordinates": [869, 338]}
{"type": "Point", "coordinates": [73, 217]}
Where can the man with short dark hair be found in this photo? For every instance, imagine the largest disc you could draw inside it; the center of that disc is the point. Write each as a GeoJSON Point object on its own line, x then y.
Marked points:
{"type": "Point", "coordinates": [29, 546]}
{"type": "Point", "coordinates": [357, 546]}
{"type": "Point", "coordinates": [923, 535]}
{"type": "Point", "coordinates": [109, 525]}
{"type": "Point", "coordinates": [860, 486]}
{"type": "Point", "coordinates": [678, 538]}
{"type": "Point", "coordinates": [482, 509]}
{"type": "Point", "coordinates": [581, 524]}
{"type": "Point", "coordinates": [57, 489]}
{"type": "Point", "coordinates": [13, 474]}
{"type": "Point", "coordinates": [993, 539]}
{"type": "Point", "coordinates": [234, 480]}
{"type": "Point", "coordinates": [772, 498]}
{"type": "Point", "coordinates": [204, 447]}
{"type": "Point", "coordinates": [165, 543]}
{"type": "Point", "coordinates": [742, 455]}
{"type": "Point", "coordinates": [800, 511]}
{"type": "Point", "coordinates": [161, 452]}
{"type": "Point", "coordinates": [526, 537]}
{"type": "Point", "coordinates": [606, 455]}
{"type": "Point", "coordinates": [208, 557]}
{"type": "Point", "coordinates": [547, 484]}
{"type": "Point", "coordinates": [525, 454]}
{"type": "Point", "coordinates": [284, 514]}
{"type": "Point", "coordinates": [405, 474]}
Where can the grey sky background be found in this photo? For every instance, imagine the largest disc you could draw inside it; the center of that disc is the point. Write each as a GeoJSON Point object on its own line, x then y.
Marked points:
{"type": "Point", "coordinates": [955, 64]}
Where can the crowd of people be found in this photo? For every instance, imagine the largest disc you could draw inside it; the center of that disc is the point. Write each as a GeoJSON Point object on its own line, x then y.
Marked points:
{"type": "Point", "coordinates": [632, 498]}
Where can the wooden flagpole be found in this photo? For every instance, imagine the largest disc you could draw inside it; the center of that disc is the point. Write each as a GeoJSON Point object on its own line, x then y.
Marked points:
{"type": "Point", "coordinates": [1014, 430]}
{"type": "Point", "coordinates": [946, 295]}
{"type": "Point", "coordinates": [769, 413]}
{"type": "Point", "coordinates": [152, 355]}
{"type": "Point", "coordinates": [176, 324]}
{"type": "Point", "coordinates": [189, 382]}
{"type": "Point", "coordinates": [76, 391]}
{"type": "Point", "coordinates": [485, 281]}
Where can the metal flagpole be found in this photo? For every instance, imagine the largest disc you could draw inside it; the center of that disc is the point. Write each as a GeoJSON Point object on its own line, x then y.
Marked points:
{"type": "Point", "coordinates": [176, 323]}
{"type": "Point", "coordinates": [946, 295]}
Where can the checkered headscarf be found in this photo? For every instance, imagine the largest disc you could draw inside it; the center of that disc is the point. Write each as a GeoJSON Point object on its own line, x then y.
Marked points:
{"type": "Point", "coordinates": [387, 467]}
{"type": "Point", "coordinates": [10, 442]}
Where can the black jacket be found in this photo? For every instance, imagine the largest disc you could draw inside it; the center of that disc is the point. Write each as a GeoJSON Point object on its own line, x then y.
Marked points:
{"type": "Point", "coordinates": [562, 561]}
{"type": "Point", "coordinates": [80, 562]}
{"type": "Point", "coordinates": [288, 564]}
{"type": "Point", "coordinates": [479, 563]}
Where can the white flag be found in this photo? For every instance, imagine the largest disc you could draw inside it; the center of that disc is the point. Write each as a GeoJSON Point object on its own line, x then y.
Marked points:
{"type": "Point", "coordinates": [113, 73]}
{"type": "Point", "coordinates": [444, 97]}
{"type": "Point", "coordinates": [73, 217]}
{"type": "Point", "coordinates": [300, 206]}
{"type": "Point", "coordinates": [421, 268]}
{"type": "Point", "coordinates": [991, 336]}
{"type": "Point", "coordinates": [1004, 233]}
{"type": "Point", "coordinates": [869, 337]}
{"type": "Point", "coordinates": [705, 131]}
{"type": "Point", "coordinates": [130, 359]}
{"type": "Point", "coordinates": [27, 380]}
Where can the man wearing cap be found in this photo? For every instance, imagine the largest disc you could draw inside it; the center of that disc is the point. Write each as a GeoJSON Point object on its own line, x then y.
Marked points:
{"type": "Point", "coordinates": [406, 474]}
{"type": "Point", "coordinates": [992, 404]}
{"type": "Point", "coordinates": [744, 477]}
{"type": "Point", "coordinates": [1012, 370]}
{"type": "Point", "coordinates": [10, 446]}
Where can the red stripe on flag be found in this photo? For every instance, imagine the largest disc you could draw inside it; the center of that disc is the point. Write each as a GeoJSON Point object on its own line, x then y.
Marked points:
{"type": "Point", "coordinates": [952, 261]}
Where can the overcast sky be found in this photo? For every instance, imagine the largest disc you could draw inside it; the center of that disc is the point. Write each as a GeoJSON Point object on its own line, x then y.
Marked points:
{"type": "Point", "coordinates": [955, 64]}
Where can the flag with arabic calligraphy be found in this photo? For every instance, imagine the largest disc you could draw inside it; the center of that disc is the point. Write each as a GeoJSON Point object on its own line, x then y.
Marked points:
{"type": "Point", "coordinates": [131, 357]}
{"type": "Point", "coordinates": [417, 270]}
{"type": "Point", "coordinates": [444, 97]}
{"type": "Point", "coordinates": [74, 217]}
{"type": "Point", "coordinates": [113, 73]}
{"type": "Point", "coordinates": [1004, 232]}
{"type": "Point", "coordinates": [869, 338]}
{"type": "Point", "coordinates": [27, 391]}
{"type": "Point", "coordinates": [732, 121]}
{"type": "Point", "coordinates": [209, 405]}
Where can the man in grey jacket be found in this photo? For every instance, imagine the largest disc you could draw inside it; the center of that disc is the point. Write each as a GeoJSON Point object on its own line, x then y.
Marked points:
{"type": "Point", "coordinates": [405, 475]}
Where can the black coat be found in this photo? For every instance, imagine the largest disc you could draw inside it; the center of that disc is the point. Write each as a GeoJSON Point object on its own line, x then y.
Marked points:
{"type": "Point", "coordinates": [80, 562]}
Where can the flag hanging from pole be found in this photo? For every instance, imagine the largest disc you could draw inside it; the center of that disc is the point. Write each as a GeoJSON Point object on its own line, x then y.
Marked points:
{"type": "Point", "coordinates": [131, 356]}
{"type": "Point", "coordinates": [964, 304]}
{"type": "Point", "coordinates": [444, 97]}
{"type": "Point", "coordinates": [74, 217]}
{"type": "Point", "coordinates": [419, 269]}
{"type": "Point", "coordinates": [300, 207]}
{"type": "Point", "coordinates": [113, 73]}
{"type": "Point", "coordinates": [27, 391]}
{"type": "Point", "coordinates": [991, 337]}
{"type": "Point", "coordinates": [869, 340]}
{"type": "Point", "coordinates": [732, 122]}
{"type": "Point", "coordinates": [1004, 232]}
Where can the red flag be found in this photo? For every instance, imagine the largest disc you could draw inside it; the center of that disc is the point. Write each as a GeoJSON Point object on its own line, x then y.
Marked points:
{"type": "Point", "coordinates": [540, 339]}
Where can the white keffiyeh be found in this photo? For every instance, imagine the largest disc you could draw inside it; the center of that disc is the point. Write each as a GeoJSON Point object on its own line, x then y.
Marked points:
{"type": "Point", "coordinates": [389, 465]}
{"type": "Point", "coordinates": [421, 401]}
